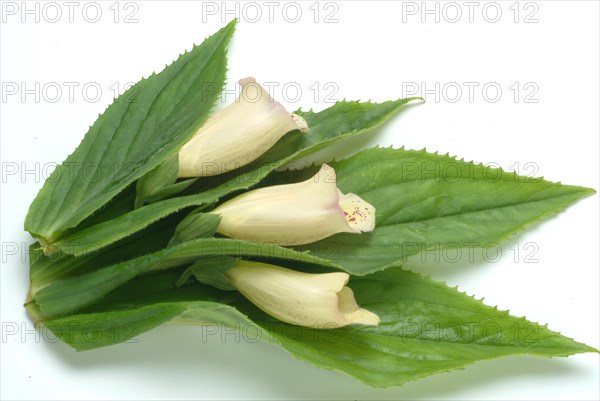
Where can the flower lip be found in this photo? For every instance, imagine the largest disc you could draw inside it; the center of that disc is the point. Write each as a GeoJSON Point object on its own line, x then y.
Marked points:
{"type": "Point", "coordinates": [300, 122]}
{"type": "Point", "coordinates": [359, 214]}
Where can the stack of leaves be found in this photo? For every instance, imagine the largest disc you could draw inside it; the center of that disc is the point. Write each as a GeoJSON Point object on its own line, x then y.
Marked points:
{"type": "Point", "coordinates": [126, 242]}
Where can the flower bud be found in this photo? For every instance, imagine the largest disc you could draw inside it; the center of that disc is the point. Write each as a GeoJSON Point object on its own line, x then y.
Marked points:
{"type": "Point", "coordinates": [238, 134]}
{"type": "Point", "coordinates": [313, 300]}
{"type": "Point", "coordinates": [296, 214]}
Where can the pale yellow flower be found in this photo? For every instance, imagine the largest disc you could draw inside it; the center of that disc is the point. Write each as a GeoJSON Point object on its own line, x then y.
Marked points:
{"type": "Point", "coordinates": [238, 134]}
{"type": "Point", "coordinates": [313, 300]}
{"type": "Point", "coordinates": [296, 214]}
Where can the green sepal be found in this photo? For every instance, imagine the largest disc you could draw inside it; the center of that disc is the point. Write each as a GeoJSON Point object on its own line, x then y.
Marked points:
{"type": "Point", "coordinates": [210, 271]}
{"type": "Point", "coordinates": [195, 225]}
{"type": "Point", "coordinates": [155, 180]}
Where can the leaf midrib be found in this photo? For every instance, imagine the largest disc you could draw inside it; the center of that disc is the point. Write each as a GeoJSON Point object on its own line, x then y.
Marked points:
{"type": "Point", "coordinates": [528, 201]}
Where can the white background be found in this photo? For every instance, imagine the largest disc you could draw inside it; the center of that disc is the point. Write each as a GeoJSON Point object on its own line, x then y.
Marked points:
{"type": "Point", "coordinates": [375, 50]}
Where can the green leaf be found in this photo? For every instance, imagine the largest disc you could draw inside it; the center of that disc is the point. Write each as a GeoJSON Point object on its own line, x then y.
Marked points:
{"type": "Point", "coordinates": [69, 294]}
{"type": "Point", "coordinates": [131, 138]}
{"type": "Point", "coordinates": [44, 270]}
{"type": "Point", "coordinates": [340, 121]}
{"type": "Point", "coordinates": [426, 327]}
{"type": "Point", "coordinates": [428, 201]}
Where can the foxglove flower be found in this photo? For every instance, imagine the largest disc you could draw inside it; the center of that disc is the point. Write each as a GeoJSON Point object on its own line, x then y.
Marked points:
{"type": "Point", "coordinates": [313, 300]}
{"type": "Point", "coordinates": [296, 214]}
{"type": "Point", "coordinates": [237, 135]}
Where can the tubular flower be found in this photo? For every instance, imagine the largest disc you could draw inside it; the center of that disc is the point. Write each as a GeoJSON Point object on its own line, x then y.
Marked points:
{"type": "Point", "coordinates": [296, 214]}
{"type": "Point", "coordinates": [238, 134]}
{"type": "Point", "coordinates": [313, 300]}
